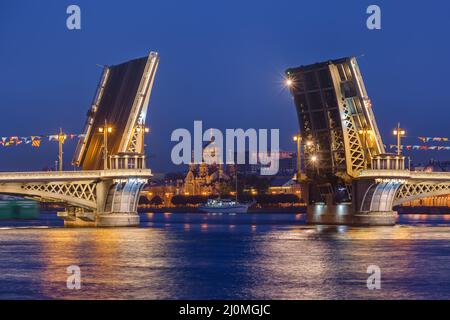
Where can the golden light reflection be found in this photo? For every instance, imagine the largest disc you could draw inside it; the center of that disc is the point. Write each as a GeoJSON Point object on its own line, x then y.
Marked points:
{"type": "Point", "coordinates": [113, 262]}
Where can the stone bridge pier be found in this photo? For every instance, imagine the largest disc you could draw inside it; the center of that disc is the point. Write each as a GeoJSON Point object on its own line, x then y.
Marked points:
{"type": "Point", "coordinates": [377, 192]}
{"type": "Point", "coordinates": [116, 205]}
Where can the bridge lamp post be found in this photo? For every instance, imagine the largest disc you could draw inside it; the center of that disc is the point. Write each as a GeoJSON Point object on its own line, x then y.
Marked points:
{"type": "Point", "coordinates": [298, 139]}
{"type": "Point", "coordinates": [105, 130]}
{"type": "Point", "coordinates": [61, 139]}
{"type": "Point", "coordinates": [399, 132]}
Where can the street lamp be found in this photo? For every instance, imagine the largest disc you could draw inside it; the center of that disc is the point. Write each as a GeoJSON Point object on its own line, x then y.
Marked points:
{"type": "Point", "coordinates": [298, 139]}
{"type": "Point", "coordinates": [61, 138]}
{"type": "Point", "coordinates": [105, 130]}
{"type": "Point", "coordinates": [399, 132]}
{"type": "Point", "coordinates": [289, 82]}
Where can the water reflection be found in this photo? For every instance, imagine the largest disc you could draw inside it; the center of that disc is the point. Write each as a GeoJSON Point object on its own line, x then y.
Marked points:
{"type": "Point", "coordinates": [112, 262]}
{"type": "Point", "coordinates": [270, 256]}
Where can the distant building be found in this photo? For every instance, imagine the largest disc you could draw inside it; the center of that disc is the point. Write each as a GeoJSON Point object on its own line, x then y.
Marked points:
{"type": "Point", "coordinates": [205, 179]}
{"type": "Point", "coordinates": [163, 188]}
{"type": "Point", "coordinates": [285, 185]}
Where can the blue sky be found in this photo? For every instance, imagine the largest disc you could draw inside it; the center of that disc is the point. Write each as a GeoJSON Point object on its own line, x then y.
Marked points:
{"type": "Point", "coordinates": [221, 62]}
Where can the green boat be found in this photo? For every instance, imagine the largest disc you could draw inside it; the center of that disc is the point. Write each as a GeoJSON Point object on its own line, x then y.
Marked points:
{"type": "Point", "coordinates": [18, 209]}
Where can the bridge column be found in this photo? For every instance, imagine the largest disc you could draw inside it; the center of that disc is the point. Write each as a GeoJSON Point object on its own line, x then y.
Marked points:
{"type": "Point", "coordinates": [119, 208]}
{"type": "Point", "coordinates": [372, 205]}
{"type": "Point", "coordinates": [373, 202]}
{"type": "Point", "coordinates": [116, 200]}
{"type": "Point", "coordinates": [340, 214]}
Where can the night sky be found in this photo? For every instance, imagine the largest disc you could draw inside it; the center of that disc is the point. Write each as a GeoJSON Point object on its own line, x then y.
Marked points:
{"type": "Point", "coordinates": [221, 62]}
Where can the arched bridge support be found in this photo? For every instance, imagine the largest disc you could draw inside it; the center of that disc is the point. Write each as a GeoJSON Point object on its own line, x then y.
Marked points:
{"type": "Point", "coordinates": [374, 195]}
{"type": "Point", "coordinates": [376, 192]}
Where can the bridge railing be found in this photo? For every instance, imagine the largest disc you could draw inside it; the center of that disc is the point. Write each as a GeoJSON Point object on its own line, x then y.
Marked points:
{"type": "Point", "coordinates": [73, 175]}
{"type": "Point", "coordinates": [404, 174]}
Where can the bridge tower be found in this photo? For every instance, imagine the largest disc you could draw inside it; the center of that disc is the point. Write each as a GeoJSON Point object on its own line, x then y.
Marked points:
{"type": "Point", "coordinates": [105, 191]}
{"type": "Point", "coordinates": [340, 135]}
{"type": "Point", "coordinates": [119, 110]}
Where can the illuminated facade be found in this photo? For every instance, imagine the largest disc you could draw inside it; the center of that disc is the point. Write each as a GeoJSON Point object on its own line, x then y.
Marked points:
{"type": "Point", "coordinates": [204, 179]}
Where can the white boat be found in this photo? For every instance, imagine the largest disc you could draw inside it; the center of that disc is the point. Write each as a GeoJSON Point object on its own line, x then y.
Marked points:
{"type": "Point", "coordinates": [223, 206]}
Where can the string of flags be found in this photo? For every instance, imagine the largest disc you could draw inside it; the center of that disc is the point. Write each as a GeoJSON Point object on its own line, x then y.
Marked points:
{"type": "Point", "coordinates": [35, 141]}
{"type": "Point", "coordinates": [412, 147]}
{"type": "Point", "coordinates": [434, 139]}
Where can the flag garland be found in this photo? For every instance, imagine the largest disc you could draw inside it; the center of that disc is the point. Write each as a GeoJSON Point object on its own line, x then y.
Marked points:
{"type": "Point", "coordinates": [434, 139]}
{"type": "Point", "coordinates": [412, 147]}
{"type": "Point", "coordinates": [35, 141]}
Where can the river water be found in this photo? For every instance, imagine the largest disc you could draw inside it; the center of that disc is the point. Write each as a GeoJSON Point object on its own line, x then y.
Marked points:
{"type": "Point", "coordinates": [252, 256]}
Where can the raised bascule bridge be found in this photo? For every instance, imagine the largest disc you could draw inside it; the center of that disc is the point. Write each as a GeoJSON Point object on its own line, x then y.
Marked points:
{"type": "Point", "coordinates": [110, 154]}
{"type": "Point", "coordinates": [349, 178]}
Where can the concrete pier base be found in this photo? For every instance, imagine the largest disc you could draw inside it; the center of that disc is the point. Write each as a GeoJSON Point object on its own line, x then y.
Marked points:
{"type": "Point", "coordinates": [118, 220]}
{"type": "Point", "coordinates": [101, 220]}
{"type": "Point", "coordinates": [384, 218]}
{"type": "Point", "coordinates": [329, 214]}
{"type": "Point", "coordinates": [343, 214]}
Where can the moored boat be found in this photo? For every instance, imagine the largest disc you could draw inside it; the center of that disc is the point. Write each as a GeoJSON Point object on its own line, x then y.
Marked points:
{"type": "Point", "coordinates": [223, 206]}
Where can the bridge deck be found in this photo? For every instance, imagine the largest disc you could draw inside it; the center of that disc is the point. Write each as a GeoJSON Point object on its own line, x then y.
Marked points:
{"type": "Point", "coordinates": [49, 176]}
{"type": "Point", "coordinates": [405, 174]}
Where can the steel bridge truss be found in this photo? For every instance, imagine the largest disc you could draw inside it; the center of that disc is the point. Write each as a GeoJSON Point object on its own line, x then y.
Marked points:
{"type": "Point", "coordinates": [75, 193]}
{"type": "Point", "coordinates": [412, 191]}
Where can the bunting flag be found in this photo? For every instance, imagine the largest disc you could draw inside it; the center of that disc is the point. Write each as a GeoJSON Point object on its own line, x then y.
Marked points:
{"type": "Point", "coordinates": [412, 147]}
{"type": "Point", "coordinates": [434, 139]}
{"type": "Point", "coordinates": [35, 141]}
